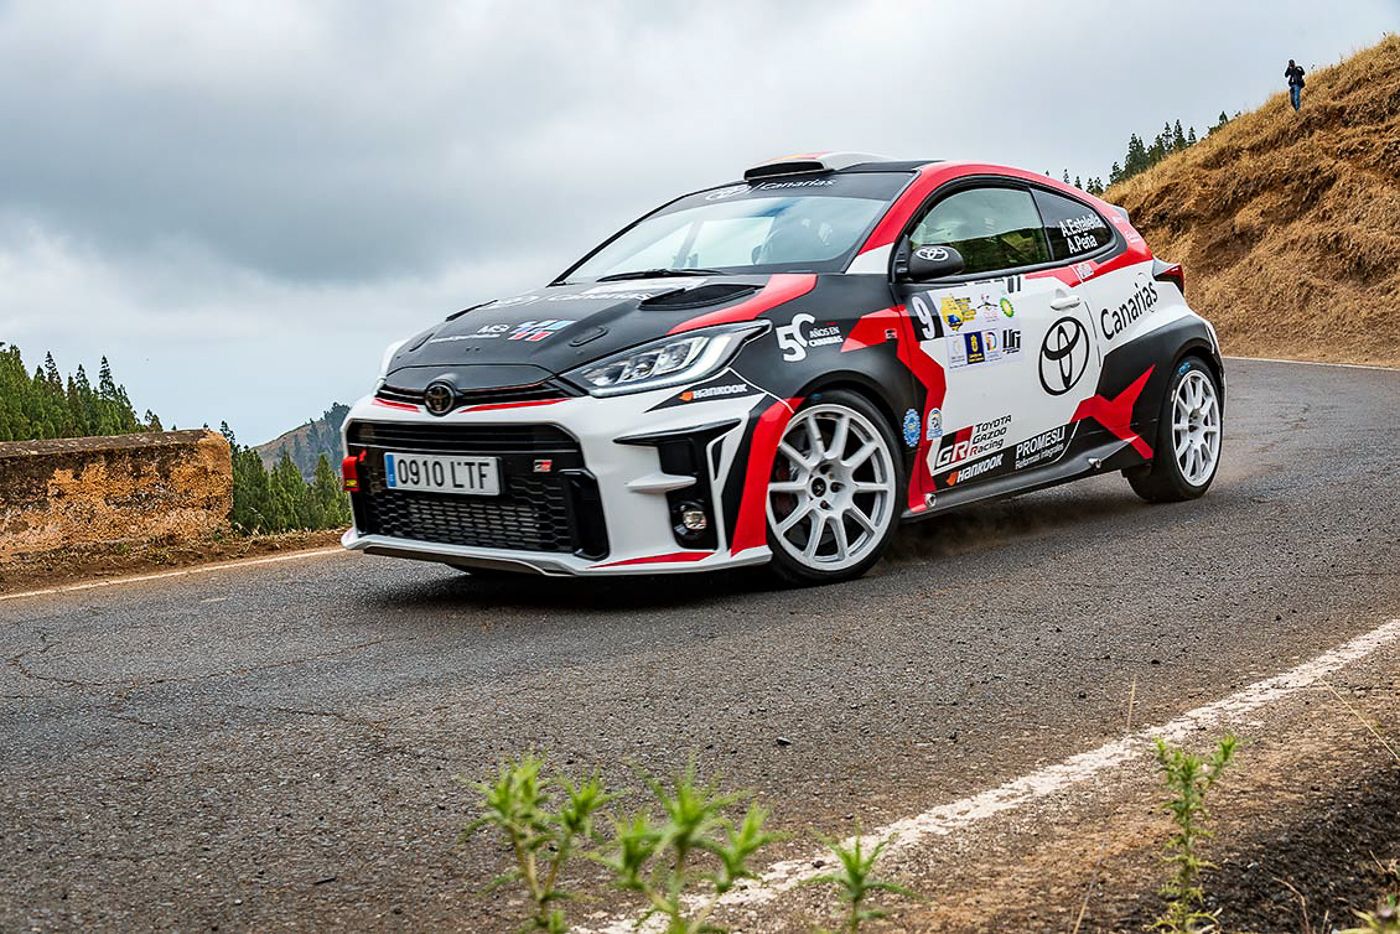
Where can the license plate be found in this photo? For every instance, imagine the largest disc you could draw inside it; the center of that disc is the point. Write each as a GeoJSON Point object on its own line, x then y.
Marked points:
{"type": "Point", "coordinates": [432, 473]}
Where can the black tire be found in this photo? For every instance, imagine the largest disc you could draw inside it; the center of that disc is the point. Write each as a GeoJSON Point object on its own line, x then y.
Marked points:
{"type": "Point", "coordinates": [1162, 479]}
{"type": "Point", "coordinates": [866, 418]}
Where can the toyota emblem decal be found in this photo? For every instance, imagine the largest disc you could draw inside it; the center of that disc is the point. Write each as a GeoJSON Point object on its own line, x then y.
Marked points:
{"type": "Point", "coordinates": [1064, 356]}
{"type": "Point", "coordinates": [438, 397]}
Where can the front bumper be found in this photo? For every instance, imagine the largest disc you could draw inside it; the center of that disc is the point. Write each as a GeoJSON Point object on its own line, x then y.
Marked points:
{"type": "Point", "coordinates": [605, 505]}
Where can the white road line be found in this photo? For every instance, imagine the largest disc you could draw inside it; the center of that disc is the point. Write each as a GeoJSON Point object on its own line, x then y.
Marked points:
{"type": "Point", "coordinates": [180, 572]}
{"type": "Point", "coordinates": [1344, 366]}
{"type": "Point", "coordinates": [948, 818]}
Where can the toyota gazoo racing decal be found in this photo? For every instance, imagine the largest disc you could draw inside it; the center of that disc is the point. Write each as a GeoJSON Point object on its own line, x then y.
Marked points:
{"type": "Point", "coordinates": [635, 417]}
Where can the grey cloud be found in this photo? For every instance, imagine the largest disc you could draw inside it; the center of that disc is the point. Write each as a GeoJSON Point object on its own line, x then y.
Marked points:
{"type": "Point", "coordinates": [265, 172]}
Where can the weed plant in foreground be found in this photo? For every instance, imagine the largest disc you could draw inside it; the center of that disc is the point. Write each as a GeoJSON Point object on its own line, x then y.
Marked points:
{"type": "Point", "coordinates": [1189, 779]}
{"type": "Point", "coordinates": [855, 882]}
{"type": "Point", "coordinates": [680, 853]}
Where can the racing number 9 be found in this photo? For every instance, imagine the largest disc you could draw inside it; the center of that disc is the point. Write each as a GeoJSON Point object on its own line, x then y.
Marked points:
{"type": "Point", "coordinates": [929, 326]}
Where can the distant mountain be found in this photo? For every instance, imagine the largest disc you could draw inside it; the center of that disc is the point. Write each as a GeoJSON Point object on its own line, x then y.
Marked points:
{"type": "Point", "coordinates": [305, 444]}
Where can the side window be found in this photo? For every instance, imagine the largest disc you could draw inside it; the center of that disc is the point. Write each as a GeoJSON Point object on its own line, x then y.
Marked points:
{"type": "Point", "coordinates": [993, 229]}
{"type": "Point", "coordinates": [1074, 229]}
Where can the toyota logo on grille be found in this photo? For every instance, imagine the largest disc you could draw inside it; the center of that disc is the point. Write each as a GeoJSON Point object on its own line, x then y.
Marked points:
{"type": "Point", "coordinates": [438, 397]}
{"type": "Point", "coordinates": [1064, 356]}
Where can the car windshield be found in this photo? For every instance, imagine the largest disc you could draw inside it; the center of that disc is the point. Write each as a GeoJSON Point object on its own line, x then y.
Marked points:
{"type": "Point", "coordinates": [805, 225]}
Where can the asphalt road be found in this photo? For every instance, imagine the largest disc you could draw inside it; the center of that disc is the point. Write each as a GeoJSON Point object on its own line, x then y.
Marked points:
{"type": "Point", "coordinates": [276, 745]}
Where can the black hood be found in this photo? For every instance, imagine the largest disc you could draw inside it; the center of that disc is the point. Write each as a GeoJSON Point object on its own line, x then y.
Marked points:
{"type": "Point", "coordinates": [528, 338]}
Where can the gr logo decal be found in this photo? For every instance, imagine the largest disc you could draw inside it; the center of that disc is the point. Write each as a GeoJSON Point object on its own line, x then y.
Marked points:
{"type": "Point", "coordinates": [1064, 356]}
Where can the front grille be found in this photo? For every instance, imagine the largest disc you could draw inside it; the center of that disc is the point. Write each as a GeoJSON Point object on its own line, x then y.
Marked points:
{"type": "Point", "coordinates": [529, 515]}
{"type": "Point", "coordinates": [548, 389]}
{"type": "Point", "coordinates": [463, 439]}
{"type": "Point", "coordinates": [557, 510]}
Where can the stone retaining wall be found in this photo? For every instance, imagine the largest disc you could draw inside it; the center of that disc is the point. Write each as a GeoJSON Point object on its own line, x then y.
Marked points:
{"type": "Point", "coordinates": [123, 489]}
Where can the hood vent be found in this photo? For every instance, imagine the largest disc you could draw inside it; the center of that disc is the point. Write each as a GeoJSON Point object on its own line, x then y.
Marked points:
{"type": "Point", "coordinates": [699, 297]}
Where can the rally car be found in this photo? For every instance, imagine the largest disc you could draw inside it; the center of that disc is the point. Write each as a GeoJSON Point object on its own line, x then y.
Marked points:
{"type": "Point", "coordinates": [778, 370]}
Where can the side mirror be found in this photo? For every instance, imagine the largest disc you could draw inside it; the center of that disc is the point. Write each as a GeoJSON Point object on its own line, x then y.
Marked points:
{"type": "Point", "coordinates": [933, 262]}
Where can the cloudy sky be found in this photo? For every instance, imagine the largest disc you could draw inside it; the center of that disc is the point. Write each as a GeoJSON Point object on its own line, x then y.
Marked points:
{"type": "Point", "coordinates": [240, 203]}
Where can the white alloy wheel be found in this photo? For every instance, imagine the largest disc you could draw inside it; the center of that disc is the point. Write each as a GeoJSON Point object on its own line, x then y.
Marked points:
{"type": "Point", "coordinates": [1196, 428]}
{"type": "Point", "coordinates": [832, 496]}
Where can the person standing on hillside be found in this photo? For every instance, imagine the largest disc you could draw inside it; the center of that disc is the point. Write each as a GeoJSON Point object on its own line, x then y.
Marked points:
{"type": "Point", "coordinates": [1294, 74]}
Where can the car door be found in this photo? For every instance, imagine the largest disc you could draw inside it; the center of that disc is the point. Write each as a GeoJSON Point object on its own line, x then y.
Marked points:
{"type": "Point", "coordinates": [989, 329]}
{"type": "Point", "coordinates": [1081, 242]}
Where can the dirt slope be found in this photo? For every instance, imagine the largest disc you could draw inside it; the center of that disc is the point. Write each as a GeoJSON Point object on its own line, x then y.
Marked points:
{"type": "Point", "coordinates": [1289, 224]}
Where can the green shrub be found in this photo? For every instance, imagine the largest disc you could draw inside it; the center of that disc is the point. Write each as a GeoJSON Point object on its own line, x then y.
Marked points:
{"type": "Point", "coordinates": [854, 881]}
{"type": "Point", "coordinates": [1189, 779]}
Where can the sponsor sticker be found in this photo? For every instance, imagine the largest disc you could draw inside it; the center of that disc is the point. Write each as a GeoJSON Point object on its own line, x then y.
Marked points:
{"type": "Point", "coordinates": [911, 428]}
{"type": "Point", "coordinates": [794, 339]}
{"type": "Point", "coordinates": [539, 330]}
{"type": "Point", "coordinates": [1142, 302]}
{"type": "Point", "coordinates": [934, 429]}
{"type": "Point", "coordinates": [724, 385]}
{"type": "Point", "coordinates": [730, 191]}
{"type": "Point", "coordinates": [957, 311]}
{"type": "Point", "coordinates": [711, 392]}
{"type": "Point", "coordinates": [974, 470]}
{"type": "Point", "coordinates": [485, 332]}
{"type": "Point", "coordinates": [982, 346]}
{"type": "Point", "coordinates": [974, 441]}
{"type": "Point", "coordinates": [1044, 447]}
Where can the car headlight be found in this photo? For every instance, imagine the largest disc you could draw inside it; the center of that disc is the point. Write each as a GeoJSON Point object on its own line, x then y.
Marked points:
{"type": "Point", "coordinates": [670, 361]}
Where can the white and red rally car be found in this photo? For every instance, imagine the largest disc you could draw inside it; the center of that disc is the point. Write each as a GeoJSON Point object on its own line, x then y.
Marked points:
{"type": "Point", "coordinates": [777, 370]}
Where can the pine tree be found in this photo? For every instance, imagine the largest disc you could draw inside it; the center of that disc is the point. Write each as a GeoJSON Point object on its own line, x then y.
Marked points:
{"type": "Point", "coordinates": [1191, 136]}
{"type": "Point", "coordinates": [1066, 177]}
{"type": "Point", "coordinates": [1077, 183]}
{"type": "Point", "coordinates": [42, 404]}
{"type": "Point", "coordinates": [51, 372]}
{"type": "Point", "coordinates": [1178, 138]}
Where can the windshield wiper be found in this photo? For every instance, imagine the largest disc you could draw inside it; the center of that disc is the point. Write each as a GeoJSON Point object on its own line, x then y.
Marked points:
{"type": "Point", "coordinates": [658, 274]}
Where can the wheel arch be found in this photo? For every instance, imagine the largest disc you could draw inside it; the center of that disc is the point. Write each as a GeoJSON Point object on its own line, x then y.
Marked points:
{"type": "Point", "coordinates": [1197, 346]}
{"type": "Point", "coordinates": [860, 384]}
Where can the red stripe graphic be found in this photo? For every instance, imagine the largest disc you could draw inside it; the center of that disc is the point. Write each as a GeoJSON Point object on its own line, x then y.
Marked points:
{"type": "Point", "coordinates": [671, 558]}
{"type": "Point", "coordinates": [1116, 414]}
{"type": "Point", "coordinates": [783, 287]}
{"type": "Point", "coordinates": [869, 331]}
{"type": "Point", "coordinates": [751, 528]}
{"type": "Point", "coordinates": [490, 406]}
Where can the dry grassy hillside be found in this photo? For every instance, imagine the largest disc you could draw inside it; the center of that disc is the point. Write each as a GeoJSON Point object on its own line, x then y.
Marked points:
{"type": "Point", "coordinates": [1289, 224]}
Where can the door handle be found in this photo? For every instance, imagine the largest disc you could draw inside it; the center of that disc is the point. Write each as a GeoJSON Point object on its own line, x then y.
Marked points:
{"type": "Point", "coordinates": [1068, 300]}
